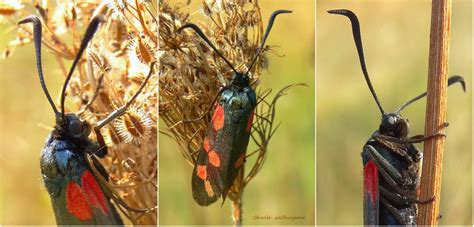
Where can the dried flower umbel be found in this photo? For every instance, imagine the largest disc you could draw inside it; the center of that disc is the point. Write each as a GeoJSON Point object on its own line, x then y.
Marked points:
{"type": "Point", "coordinates": [115, 65]}
{"type": "Point", "coordinates": [191, 75]}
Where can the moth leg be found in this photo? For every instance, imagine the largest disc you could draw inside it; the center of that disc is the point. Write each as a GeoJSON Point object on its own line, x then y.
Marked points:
{"type": "Point", "coordinates": [392, 177]}
{"type": "Point", "coordinates": [393, 147]}
{"type": "Point", "coordinates": [101, 150]}
{"type": "Point", "coordinates": [95, 166]}
{"type": "Point", "coordinates": [400, 198]}
{"type": "Point", "coordinates": [413, 139]}
{"type": "Point", "coordinates": [389, 180]}
{"type": "Point", "coordinates": [420, 138]}
{"type": "Point", "coordinates": [394, 211]}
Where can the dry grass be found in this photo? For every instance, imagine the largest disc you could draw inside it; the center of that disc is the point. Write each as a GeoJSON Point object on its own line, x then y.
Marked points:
{"type": "Point", "coordinates": [115, 65]}
{"type": "Point", "coordinates": [191, 75]}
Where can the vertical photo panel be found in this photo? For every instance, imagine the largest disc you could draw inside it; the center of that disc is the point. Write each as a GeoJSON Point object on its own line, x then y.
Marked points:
{"type": "Point", "coordinates": [79, 97]}
{"type": "Point", "coordinates": [236, 112]}
{"type": "Point", "coordinates": [369, 155]}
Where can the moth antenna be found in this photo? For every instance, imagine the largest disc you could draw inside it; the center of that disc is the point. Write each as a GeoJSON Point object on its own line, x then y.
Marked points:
{"type": "Point", "coordinates": [37, 36]}
{"type": "Point", "coordinates": [265, 36]}
{"type": "Point", "coordinates": [358, 41]}
{"type": "Point", "coordinates": [452, 80]}
{"type": "Point", "coordinates": [201, 34]}
{"type": "Point", "coordinates": [90, 31]}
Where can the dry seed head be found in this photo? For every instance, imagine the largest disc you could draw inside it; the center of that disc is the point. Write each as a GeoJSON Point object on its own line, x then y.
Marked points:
{"type": "Point", "coordinates": [134, 126]}
{"type": "Point", "coordinates": [140, 47]}
{"type": "Point", "coordinates": [111, 136]}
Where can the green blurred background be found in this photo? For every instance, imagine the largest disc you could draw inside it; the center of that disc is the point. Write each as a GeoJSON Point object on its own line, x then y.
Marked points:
{"type": "Point", "coordinates": [285, 185]}
{"type": "Point", "coordinates": [395, 35]}
{"type": "Point", "coordinates": [23, 197]}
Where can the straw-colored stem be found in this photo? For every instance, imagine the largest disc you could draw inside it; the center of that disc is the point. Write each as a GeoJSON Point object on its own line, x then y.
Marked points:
{"type": "Point", "coordinates": [435, 111]}
{"type": "Point", "coordinates": [237, 210]}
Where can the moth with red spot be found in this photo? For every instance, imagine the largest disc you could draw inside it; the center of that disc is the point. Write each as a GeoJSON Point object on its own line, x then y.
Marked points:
{"type": "Point", "coordinates": [224, 148]}
{"type": "Point", "coordinates": [390, 158]}
{"type": "Point", "coordinates": [70, 169]}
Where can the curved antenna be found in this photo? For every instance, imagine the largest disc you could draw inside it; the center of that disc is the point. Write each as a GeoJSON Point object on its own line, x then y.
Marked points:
{"type": "Point", "coordinates": [452, 80]}
{"type": "Point", "coordinates": [265, 36]}
{"type": "Point", "coordinates": [37, 34]}
{"type": "Point", "coordinates": [360, 51]}
{"type": "Point", "coordinates": [201, 34]}
{"type": "Point", "coordinates": [91, 29]}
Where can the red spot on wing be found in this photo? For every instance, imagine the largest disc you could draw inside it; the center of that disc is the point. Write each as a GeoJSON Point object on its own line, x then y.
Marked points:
{"type": "Point", "coordinates": [208, 188]}
{"type": "Point", "coordinates": [207, 144]}
{"type": "Point", "coordinates": [240, 161]}
{"type": "Point", "coordinates": [76, 202]}
{"type": "Point", "coordinates": [214, 158]}
{"type": "Point", "coordinates": [94, 192]}
{"type": "Point", "coordinates": [218, 118]}
{"type": "Point", "coordinates": [202, 172]}
{"type": "Point", "coordinates": [371, 180]}
{"type": "Point", "coordinates": [249, 123]}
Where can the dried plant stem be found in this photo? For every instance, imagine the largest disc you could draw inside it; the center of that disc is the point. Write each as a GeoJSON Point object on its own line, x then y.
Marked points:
{"type": "Point", "coordinates": [435, 111]}
{"type": "Point", "coordinates": [236, 204]}
{"type": "Point", "coordinates": [237, 211]}
{"type": "Point", "coordinates": [235, 197]}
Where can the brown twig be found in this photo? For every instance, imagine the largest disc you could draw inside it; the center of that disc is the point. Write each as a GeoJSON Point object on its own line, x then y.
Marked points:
{"type": "Point", "coordinates": [435, 111]}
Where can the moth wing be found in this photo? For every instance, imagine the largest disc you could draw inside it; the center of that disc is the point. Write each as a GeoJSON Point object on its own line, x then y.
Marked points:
{"type": "Point", "coordinates": [98, 192]}
{"type": "Point", "coordinates": [371, 191]}
{"type": "Point", "coordinates": [206, 180]}
{"type": "Point", "coordinates": [236, 156]}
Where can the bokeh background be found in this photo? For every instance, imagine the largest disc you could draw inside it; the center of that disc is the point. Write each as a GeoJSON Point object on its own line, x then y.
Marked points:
{"type": "Point", "coordinates": [285, 185]}
{"type": "Point", "coordinates": [24, 120]}
{"type": "Point", "coordinates": [395, 36]}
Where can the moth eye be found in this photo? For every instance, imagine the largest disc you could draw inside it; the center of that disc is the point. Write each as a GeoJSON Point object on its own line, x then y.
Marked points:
{"type": "Point", "coordinates": [75, 128]}
{"type": "Point", "coordinates": [391, 120]}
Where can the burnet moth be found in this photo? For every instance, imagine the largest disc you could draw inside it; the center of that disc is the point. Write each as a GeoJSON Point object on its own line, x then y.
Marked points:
{"type": "Point", "coordinates": [391, 160]}
{"type": "Point", "coordinates": [73, 176]}
{"type": "Point", "coordinates": [224, 148]}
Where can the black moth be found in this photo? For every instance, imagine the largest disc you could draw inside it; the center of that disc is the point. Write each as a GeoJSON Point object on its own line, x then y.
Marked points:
{"type": "Point", "coordinates": [224, 149]}
{"type": "Point", "coordinates": [71, 172]}
{"type": "Point", "coordinates": [391, 160]}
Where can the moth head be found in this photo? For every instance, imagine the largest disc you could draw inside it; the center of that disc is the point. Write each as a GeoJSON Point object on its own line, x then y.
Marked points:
{"type": "Point", "coordinates": [395, 125]}
{"type": "Point", "coordinates": [240, 80]}
{"type": "Point", "coordinates": [73, 126]}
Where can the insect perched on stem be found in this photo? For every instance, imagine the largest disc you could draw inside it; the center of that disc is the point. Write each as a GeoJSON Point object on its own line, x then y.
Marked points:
{"type": "Point", "coordinates": [391, 160]}
{"type": "Point", "coordinates": [224, 148]}
{"type": "Point", "coordinates": [75, 179]}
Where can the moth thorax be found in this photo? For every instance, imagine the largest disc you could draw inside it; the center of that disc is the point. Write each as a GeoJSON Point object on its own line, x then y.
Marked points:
{"type": "Point", "coordinates": [240, 80]}
{"type": "Point", "coordinates": [395, 125]}
{"type": "Point", "coordinates": [237, 99]}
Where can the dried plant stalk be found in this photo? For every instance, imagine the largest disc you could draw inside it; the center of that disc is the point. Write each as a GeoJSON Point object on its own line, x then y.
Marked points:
{"type": "Point", "coordinates": [115, 65]}
{"type": "Point", "coordinates": [191, 75]}
{"type": "Point", "coordinates": [430, 185]}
